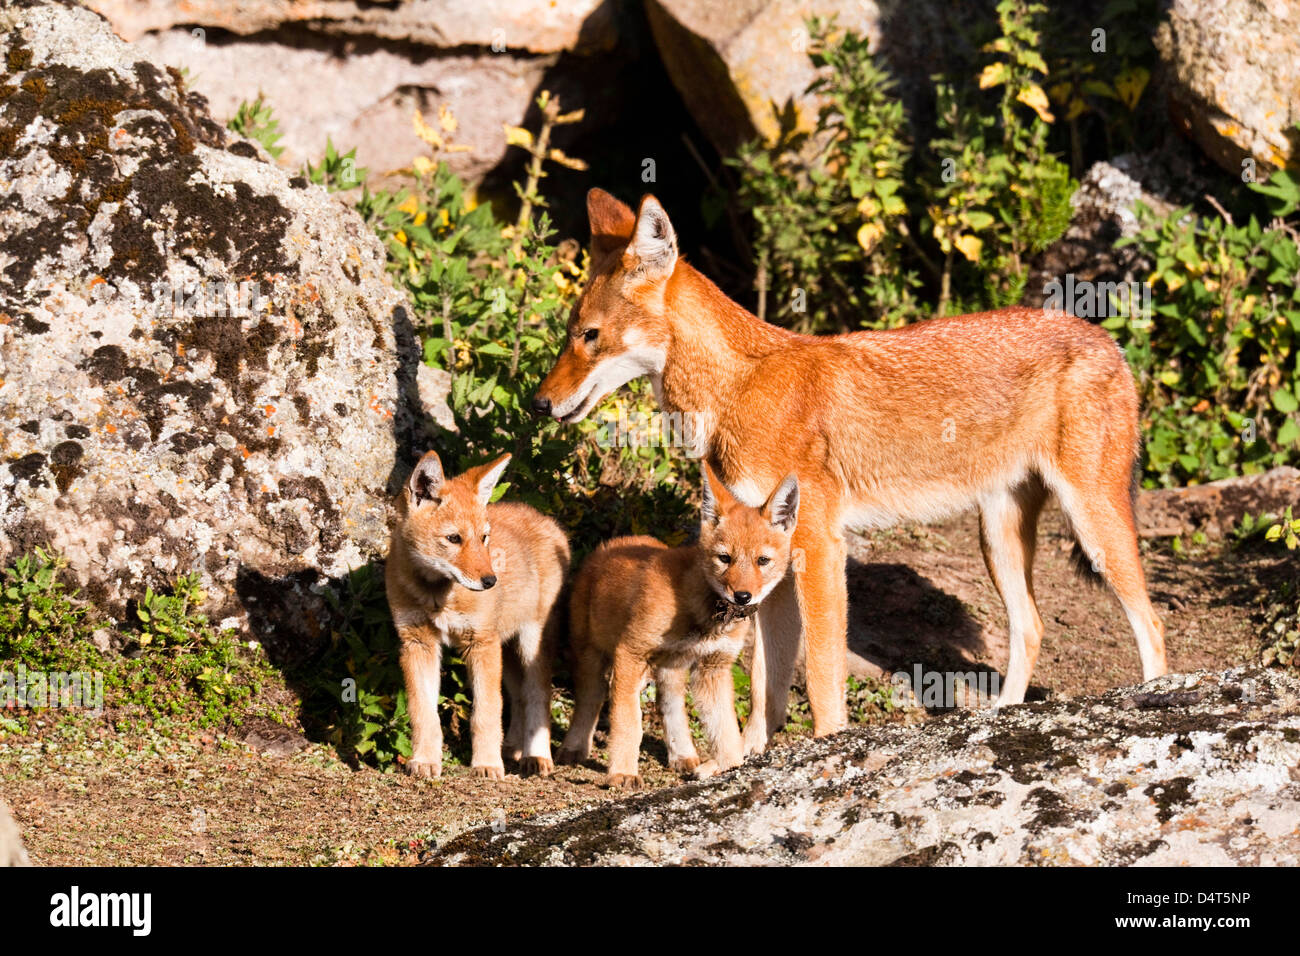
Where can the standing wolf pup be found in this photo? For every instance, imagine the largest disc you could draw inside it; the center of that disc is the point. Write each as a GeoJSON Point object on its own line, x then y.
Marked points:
{"type": "Point", "coordinates": [639, 606]}
{"type": "Point", "coordinates": [993, 410]}
{"type": "Point", "coordinates": [475, 576]}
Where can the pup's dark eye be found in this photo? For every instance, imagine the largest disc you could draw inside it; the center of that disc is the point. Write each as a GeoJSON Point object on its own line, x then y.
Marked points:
{"type": "Point", "coordinates": [763, 561]}
{"type": "Point", "coordinates": [454, 538]}
{"type": "Point", "coordinates": [590, 335]}
{"type": "Point", "coordinates": [724, 558]}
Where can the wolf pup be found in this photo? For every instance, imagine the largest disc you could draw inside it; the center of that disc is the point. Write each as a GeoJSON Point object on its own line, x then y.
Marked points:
{"type": "Point", "coordinates": [475, 576]}
{"type": "Point", "coordinates": [640, 607]}
{"type": "Point", "coordinates": [996, 410]}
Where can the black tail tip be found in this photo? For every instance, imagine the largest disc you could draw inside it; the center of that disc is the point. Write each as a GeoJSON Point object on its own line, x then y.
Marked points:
{"type": "Point", "coordinates": [1085, 568]}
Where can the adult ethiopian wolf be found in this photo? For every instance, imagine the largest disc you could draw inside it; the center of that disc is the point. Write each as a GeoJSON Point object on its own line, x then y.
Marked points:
{"type": "Point", "coordinates": [994, 410]}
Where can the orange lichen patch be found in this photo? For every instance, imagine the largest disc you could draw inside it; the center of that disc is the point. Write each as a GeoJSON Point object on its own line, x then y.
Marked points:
{"type": "Point", "coordinates": [270, 430]}
{"type": "Point", "coordinates": [5, 318]}
{"type": "Point", "coordinates": [269, 410]}
{"type": "Point", "coordinates": [98, 280]}
{"type": "Point", "coordinates": [244, 451]}
{"type": "Point", "coordinates": [110, 428]}
{"type": "Point", "coordinates": [377, 406]}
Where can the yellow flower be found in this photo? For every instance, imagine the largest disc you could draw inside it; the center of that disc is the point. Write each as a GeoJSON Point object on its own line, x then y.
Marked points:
{"type": "Point", "coordinates": [446, 120]}
{"type": "Point", "coordinates": [556, 156]}
{"type": "Point", "coordinates": [409, 206]}
{"type": "Point", "coordinates": [869, 235]}
{"type": "Point", "coordinates": [443, 218]}
{"type": "Point", "coordinates": [423, 216]}
{"type": "Point", "coordinates": [969, 246]}
{"type": "Point", "coordinates": [517, 136]}
{"type": "Point", "coordinates": [400, 236]}
{"type": "Point", "coordinates": [425, 131]}
{"type": "Point", "coordinates": [423, 165]}
{"type": "Point", "coordinates": [993, 74]}
{"type": "Point", "coordinates": [1034, 97]}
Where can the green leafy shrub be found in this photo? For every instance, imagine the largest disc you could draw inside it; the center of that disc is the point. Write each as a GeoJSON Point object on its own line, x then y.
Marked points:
{"type": "Point", "coordinates": [179, 670]}
{"type": "Point", "coordinates": [1003, 197]}
{"type": "Point", "coordinates": [1216, 365]}
{"type": "Point", "coordinates": [841, 218]}
{"type": "Point", "coordinates": [829, 217]}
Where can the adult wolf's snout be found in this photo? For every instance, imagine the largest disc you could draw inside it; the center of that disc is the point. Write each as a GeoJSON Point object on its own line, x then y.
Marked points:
{"type": "Point", "coordinates": [541, 405]}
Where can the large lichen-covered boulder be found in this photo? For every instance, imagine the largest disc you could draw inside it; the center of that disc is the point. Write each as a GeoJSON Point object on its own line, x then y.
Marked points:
{"type": "Point", "coordinates": [1233, 76]}
{"type": "Point", "coordinates": [199, 355]}
{"type": "Point", "coordinates": [1197, 769]}
{"type": "Point", "coordinates": [356, 71]}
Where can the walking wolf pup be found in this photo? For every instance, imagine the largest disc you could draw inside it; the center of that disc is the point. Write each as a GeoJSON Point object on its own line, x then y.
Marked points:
{"type": "Point", "coordinates": [474, 576]}
{"type": "Point", "coordinates": [640, 607]}
{"type": "Point", "coordinates": [994, 410]}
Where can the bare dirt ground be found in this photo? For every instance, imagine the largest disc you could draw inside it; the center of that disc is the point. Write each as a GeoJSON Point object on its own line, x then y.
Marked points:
{"type": "Point", "coordinates": [919, 595]}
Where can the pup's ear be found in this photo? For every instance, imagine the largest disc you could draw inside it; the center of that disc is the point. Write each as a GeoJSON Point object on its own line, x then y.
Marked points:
{"type": "Point", "coordinates": [653, 249]}
{"type": "Point", "coordinates": [717, 499]}
{"type": "Point", "coordinates": [782, 509]}
{"type": "Point", "coordinates": [485, 477]}
{"type": "Point", "coordinates": [612, 223]}
{"type": "Point", "coordinates": [427, 479]}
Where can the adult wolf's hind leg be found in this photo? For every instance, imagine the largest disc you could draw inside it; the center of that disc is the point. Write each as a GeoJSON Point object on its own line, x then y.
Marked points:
{"type": "Point", "coordinates": [1101, 515]}
{"type": "Point", "coordinates": [1008, 533]}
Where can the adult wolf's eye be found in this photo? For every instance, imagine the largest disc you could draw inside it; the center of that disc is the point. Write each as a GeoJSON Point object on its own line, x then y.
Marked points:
{"type": "Point", "coordinates": [763, 561]}
{"type": "Point", "coordinates": [724, 558]}
{"type": "Point", "coordinates": [590, 335]}
{"type": "Point", "coordinates": [454, 538]}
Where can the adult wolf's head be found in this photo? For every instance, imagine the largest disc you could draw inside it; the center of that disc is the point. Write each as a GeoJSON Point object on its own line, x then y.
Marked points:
{"type": "Point", "coordinates": [617, 331]}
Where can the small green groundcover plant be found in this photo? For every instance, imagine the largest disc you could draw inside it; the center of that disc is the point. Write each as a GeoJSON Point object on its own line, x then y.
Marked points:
{"type": "Point", "coordinates": [171, 667]}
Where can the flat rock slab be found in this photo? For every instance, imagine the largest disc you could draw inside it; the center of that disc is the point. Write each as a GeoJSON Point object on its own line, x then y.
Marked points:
{"type": "Point", "coordinates": [1197, 769]}
{"type": "Point", "coordinates": [1217, 506]}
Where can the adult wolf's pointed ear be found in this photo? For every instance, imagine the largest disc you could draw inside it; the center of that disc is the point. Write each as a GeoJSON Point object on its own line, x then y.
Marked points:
{"type": "Point", "coordinates": [427, 479]}
{"type": "Point", "coordinates": [653, 249]}
{"type": "Point", "coordinates": [612, 222]}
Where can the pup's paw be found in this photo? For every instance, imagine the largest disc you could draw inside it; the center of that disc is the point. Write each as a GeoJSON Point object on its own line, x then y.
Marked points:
{"type": "Point", "coordinates": [536, 767]}
{"type": "Point", "coordinates": [624, 781]}
{"type": "Point", "coordinates": [706, 770]}
{"type": "Point", "coordinates": [490, 771]}
{"type": "Point", "coordinates": [684, 764]}
{"type": "Point", "coordinates": [428, 769]}
{"type": "Point", "coordinates": [753, 742]}
{"type": "Point", "coordinates": [571, 756]}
